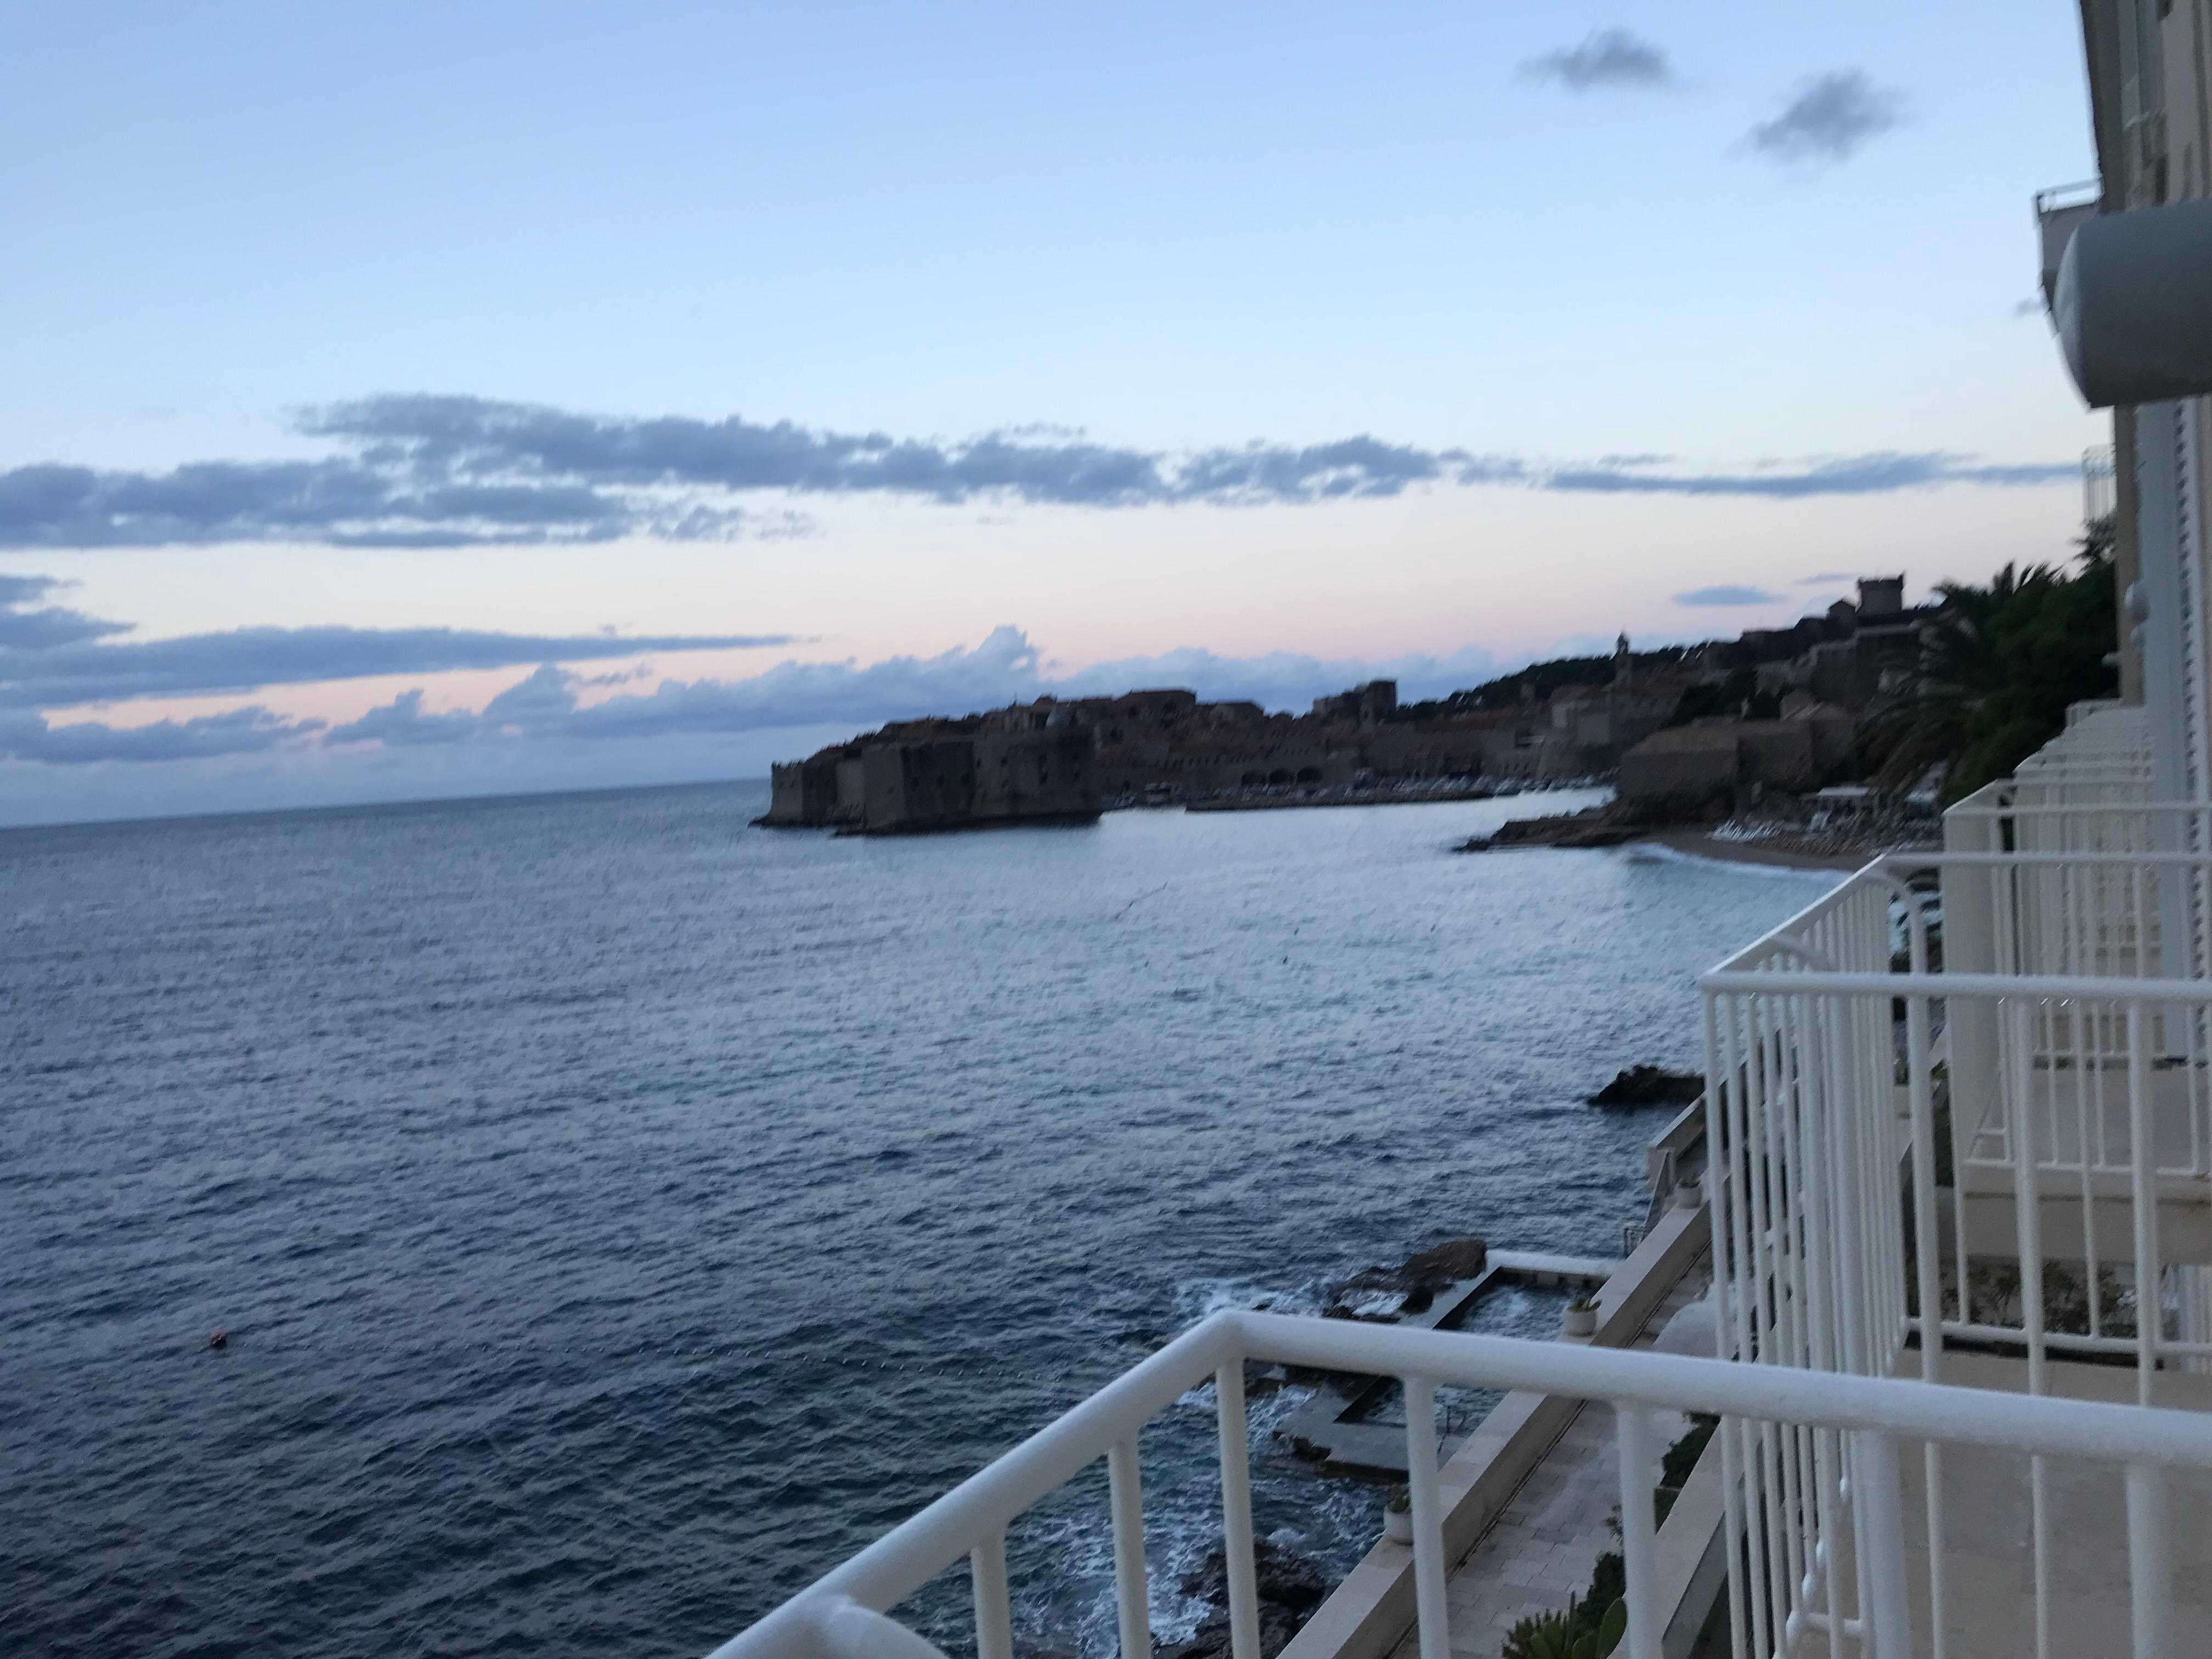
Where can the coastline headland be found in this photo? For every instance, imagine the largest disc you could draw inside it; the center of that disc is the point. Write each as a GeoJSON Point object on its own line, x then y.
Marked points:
{"type": "Point", "coordinates": [1069, 760]}
{"type": "Point", "coordinates": [1718, 725]}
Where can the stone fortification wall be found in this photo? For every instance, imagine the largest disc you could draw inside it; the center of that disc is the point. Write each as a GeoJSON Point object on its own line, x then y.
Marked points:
{"type": "Point", "coordinates": [933, 779]}
{"type": "Point", "coordinates": [925, 785]}
{"type": "Point", "coordinates": [802, 793]}
{"type": "Point", "coordinates": [1051, 774]}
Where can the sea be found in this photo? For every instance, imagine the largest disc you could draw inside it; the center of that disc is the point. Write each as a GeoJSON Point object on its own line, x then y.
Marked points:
{"type": "Point", "coordinates": [619, 1214]}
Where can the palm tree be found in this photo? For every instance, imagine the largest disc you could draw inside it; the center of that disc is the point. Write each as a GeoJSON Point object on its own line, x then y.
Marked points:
{"type": "Point", "coordinates": [1998, 666]}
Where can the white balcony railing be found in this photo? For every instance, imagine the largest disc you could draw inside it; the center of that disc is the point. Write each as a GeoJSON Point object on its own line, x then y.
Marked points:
{"type": "Point", "coordinates": [2053, 1085]}
{"type": "Point", "coordinates": [1849, 1511]}
{"type": "Point", "coordinates": [2007, 1151]}
{"type": "Point", "coordinates": [1997, 1153]}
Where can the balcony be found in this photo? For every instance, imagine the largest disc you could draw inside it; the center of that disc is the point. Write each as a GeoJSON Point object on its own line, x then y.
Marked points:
{"type": "Point", "coordinates": [1985, 1161]}
{"type": "Point", "coordinates": [1957, 1147]}
{"type": "Point", "coordinates": [1819, 1481]}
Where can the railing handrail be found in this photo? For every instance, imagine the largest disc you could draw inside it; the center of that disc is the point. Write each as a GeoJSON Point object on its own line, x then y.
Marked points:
{"type": "Point", "coordinates": [2066, 988]}
{"type": "Point", "coordinates": [1785, 935]}
{"type": "Point", "coordinates": [2063, 808]}
{"type": "Point", "coordinates": [2043, 1424]}
{"type": "Point", "coordinates": [1933, 859]}
{"type": "Point", "coordinates": [936, 1538]}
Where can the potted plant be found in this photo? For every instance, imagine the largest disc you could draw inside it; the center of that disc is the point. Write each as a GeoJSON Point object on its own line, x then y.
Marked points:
{"type": "Point", "coordinates": [1398, 1515]}
{"type": "Point", "coordinates": [1581, 1318]}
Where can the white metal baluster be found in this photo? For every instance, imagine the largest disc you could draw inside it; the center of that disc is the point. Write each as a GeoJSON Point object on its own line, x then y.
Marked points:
{"type": "Point", "coordinates": [1776, 1542]}
{"type": "Point", "coordinates": [1722, 1144]}
{"type": "Point", "coordinates": [1877, 1497]}
{"type": "Point", "coordinates": [1131, 1590]}
{"type": "Point", "coordinates": [1823, 1521]}
{"type": "Point", "coordinates": [1928, 1240]}
{"type": "Point", "coordinates": [2142, 922]}
{"type": "Point", "coordinates": [2182, 1025]}
{"type": "Point", "coordinates": [2149, 1308]}
{"type": "Point", "coordinates": [1428, 1515]}
{"type": "Point", "coordinates": [1801, 1493]}
{"type": "Point", "coordinates": [2084, 1017]}
{"type": "Point", "coordinates": [1236, 1514]}
{"type": "Point", "coordinates": [2195, 1084]}
{"type": "Point", "coordinates": [1637, 1546]}
{"type": "Point", "coordinates": [1832, 1101]}
{"type": "Point", "coordinates": [2019, 1107]}
{"type": "Point", "coordinates": [2150, 1563]}
{"type": "Point", "coordinates": [995, 1621]}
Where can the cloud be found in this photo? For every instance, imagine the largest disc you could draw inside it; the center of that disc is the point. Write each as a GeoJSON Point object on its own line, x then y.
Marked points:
{"type": "Point", "coordinates": [1728, 593]}
{"type": "Point", "coordinates": [431, 472]}
{"type": "Point", "coordinates": [1609, 58]}
{"type": "Point", "coordinates": [439, 472]}
{"type": "Point", "coordinates": [48, 629]}
{"type": "Point", "coordinates": [402, 721]}
{"type": "Point", "coordinates": [1827, 577]}
{"type": "Point", "coordinates": [240, 731]}
{"type": "Point", "coordinates": [24, 629]}
{"type": "Point", "coordinates": [23, 590]}
{"type": "Point", "coordinates": [1007, 668]}
{"type": "Point", "coordinates": [1003, 669]}
{"type": "Point", "coordinates": [354, 500]}
{"type": "Point", "coordinates": [53, 658]}
{"type": "Point", "coordinates": [1280, 679]}
{"type": "Point", "coordinates": [472, 439]}
{"type": "Point", "coordinates": [1829, 118]}
{"type": "Point", "coordinates": [1855, 475]}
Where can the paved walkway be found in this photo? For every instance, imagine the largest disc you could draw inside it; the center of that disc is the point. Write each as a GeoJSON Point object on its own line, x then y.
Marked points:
{"type": "Point", "coordinates": [1549, 1536]}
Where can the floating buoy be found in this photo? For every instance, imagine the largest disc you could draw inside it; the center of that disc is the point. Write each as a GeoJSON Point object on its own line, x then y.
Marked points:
{"type": "Point", "coordinates": [220, 1339]}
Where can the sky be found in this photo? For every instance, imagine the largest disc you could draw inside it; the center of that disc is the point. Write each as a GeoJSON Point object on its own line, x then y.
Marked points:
{"type": "Point", "coordinates": [418, 400]}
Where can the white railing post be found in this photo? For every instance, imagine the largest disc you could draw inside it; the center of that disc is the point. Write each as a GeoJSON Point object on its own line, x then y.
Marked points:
{"type": "Point", "coordinates": [1970, 947]}
{"type": "Point", "coordinates": [1638, 1529]}
{"type": "Point", "coordinates": [1427, 1501]}
{"type": "Point", "coordinates": [1243, 1580]}
{"type": "Point", "coordinates": [1131, 1589]}
{"type": "Point", "coordinates": [1725, 1085]}
{"type": "Point", "coordinates": [994, 1620]}
{"type": "Point", "coordinates": [2150, 1306]}
{"type": "Point", "coordinates": [2017, 1083]}
{"type": "Point", "coordinates": [1879, 1499]}
{"type": "Point", "coordinates": [2150, 1565]}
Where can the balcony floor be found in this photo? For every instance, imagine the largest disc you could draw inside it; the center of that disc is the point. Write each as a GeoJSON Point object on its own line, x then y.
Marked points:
{"type": "Point", "coordinates": [1550, 1535]}
{"type": "Point", "coordinates": [1990, 1556]}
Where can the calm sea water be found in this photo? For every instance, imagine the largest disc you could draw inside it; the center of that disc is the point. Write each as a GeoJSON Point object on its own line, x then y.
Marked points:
{"type": "Point", "coordinates": [619, 1214]}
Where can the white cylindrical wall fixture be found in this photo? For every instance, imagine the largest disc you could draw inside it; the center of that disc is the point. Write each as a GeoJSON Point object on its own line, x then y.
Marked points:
{"type": "Point", "coordinates": [2133, 304]}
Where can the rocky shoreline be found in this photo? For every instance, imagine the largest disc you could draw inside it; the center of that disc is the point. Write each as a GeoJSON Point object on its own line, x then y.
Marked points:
{"type": "Point", "coordinates": [1614, 824]}
{"type": "Point", "coordinates": [1290, 1588]}
{"type": "Point", "coordinates": [1649, 1085]}
{"type": "Point", "coordinates": [1621, 823]}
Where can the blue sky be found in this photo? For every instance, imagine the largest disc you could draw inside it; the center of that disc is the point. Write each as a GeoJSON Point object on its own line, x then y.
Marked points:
{"type": "Point", "coordinates": [595, 394]}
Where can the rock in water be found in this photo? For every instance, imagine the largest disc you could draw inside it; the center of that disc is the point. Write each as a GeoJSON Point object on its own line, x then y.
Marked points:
{"type": "Point", "coordinates": [1291, 1588]}
{"type": "Point", "coordinates": [1381, 1295]}
{"type": "Point", "coordinates": [1443, 1264]}
{"type": "Point", "coordinates": [1650, 1086]}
